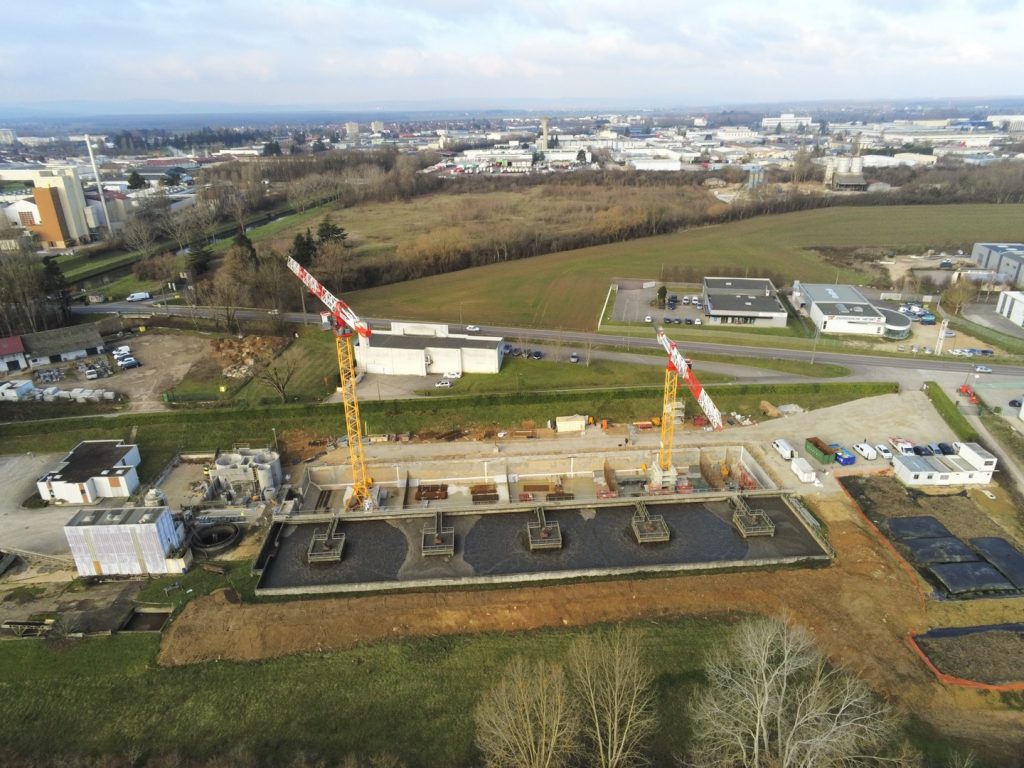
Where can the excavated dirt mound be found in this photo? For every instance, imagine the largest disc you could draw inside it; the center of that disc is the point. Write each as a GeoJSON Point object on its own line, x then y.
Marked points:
{"type": "Point", "coordinates": [239, 358]}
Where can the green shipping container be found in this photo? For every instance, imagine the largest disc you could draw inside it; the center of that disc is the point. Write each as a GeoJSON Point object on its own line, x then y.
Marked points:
{"type": "Point", "coordinates": [819, 450]}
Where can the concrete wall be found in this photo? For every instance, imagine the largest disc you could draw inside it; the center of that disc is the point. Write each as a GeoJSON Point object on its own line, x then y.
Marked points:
{"type": "Point", "coordinates": [476, 360]}
{"type": "Point", "coordinates": [1011, 306]}
{"type": "Point", "coordinates": [113, 486]}
{"type": "Point", "coordinates": [392, 362]}
{"type": "Point", "coordinates": [444, 360]}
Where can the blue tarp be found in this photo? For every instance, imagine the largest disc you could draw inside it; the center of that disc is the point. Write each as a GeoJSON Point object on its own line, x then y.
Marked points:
{"type": "Point", "coordinates": [917, 527]}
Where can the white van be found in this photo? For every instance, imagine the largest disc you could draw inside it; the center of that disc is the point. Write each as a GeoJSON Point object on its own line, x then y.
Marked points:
{"type": "Point", "coordinates": [785, 450]}
{"type": "Point", "coordinates": [865, 450]}
{"type": "Point", "coordinates": [138, 296]}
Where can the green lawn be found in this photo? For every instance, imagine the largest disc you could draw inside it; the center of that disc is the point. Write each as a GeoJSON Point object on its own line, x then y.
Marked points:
{"type": "Point", "coordinates": [519, 375]}
{"type": "Point", "coordinates": [567, 290]}
{"type": "Point", "coordinates": [314, 357]}
{"type": "Point", "coordinates": [410, 699]}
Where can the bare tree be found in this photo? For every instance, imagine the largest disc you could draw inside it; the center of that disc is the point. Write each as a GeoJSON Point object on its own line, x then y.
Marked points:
{"type": "Point", "coordinates": [527, 720]}
{"type": "Point", "coordinates": [278, 376]}
{"type": "Point", "coordinates": [21, 292]}
{"type": "Point", "coordinates": [772, 701]}
{"type": "Point", "coordinates": [179, 226]}
{"type": "Point", "coordinates": [236, 204]}
{"type": "Point", "coordinates": [139, 234]}
{"type": "Point", "coordinates": [616, 691]}
{"type": "Point", "coordinates": [960, 294]}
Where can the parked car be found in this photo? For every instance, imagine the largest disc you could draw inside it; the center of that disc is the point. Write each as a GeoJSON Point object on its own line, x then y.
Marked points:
{"type": "Point", "coordinates": [443, 384]}
{"type": "Point", "coordinates": [138, 296]}
{"type": "Point", "coordinates": [648, 319]}
{"type": "Point", "coordinates": [121, 351]}
{"type": "Point", "coordinates": [1015, 403]}
{"type": "Point", "coordinates": [686, 299]}
{"type": "Point", "coordinates": [668, 320]}
{"type": "Point", "coordinates": [935, 449]}
{"type": "Point", "coordinates": [982, 369]}
{"type": "Point", "coordinates": [884, 452]}
{"type": "Point", "coordinates": [472, 329]}
{"type": "Point", "coordinates": [946, 449]}
{"type": "Point", "coordinates": [689, 321]}
{"type": "Point", "coordinates": [698, 321]}
{"type": "Point", "coordinates": [574, 358]}
{"type": "Point", "coordinates": [986, 352]}
{"type": "Point", "coordinates": [506, 349]}
{"type": "Point", "coordinates": [537, 354]}
{"type": "Point", "coordinates": [128, 362]}
{"type": "Point", "coordinates": [677, 320]}
{"type": "Point", "coordinates": [922, 450]}
{"type": "Point", "coordinates": [453, 376]}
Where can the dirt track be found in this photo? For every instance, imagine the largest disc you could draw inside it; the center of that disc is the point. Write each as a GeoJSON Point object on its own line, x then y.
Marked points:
{"type": "Point", "coordinates": [860, 610]}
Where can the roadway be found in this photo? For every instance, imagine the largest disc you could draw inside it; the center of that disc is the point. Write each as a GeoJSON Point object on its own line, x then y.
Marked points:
{"type": "Point", "coordinates": [859, 364]}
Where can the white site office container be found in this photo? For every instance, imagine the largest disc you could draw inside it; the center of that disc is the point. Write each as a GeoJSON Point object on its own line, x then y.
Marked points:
{"type": "Point", "coordinates": [802, 469]}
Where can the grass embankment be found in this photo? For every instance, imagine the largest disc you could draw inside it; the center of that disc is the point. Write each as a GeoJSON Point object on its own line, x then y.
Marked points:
{"type": "Point", "coordinates": [951, 414]}
{"type": "Point", "coordinates": [1011, 344]}
{"type": "Point", "coordinates": [409, 699]}
{"type": "Point", "coordinates": [519, 375]}
{"type": "Point", "coordinates": [568, 289]}
{"type": "Point", "coordinates": [162, 435]}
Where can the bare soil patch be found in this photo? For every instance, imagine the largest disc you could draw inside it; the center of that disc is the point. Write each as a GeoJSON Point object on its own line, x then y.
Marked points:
{"type": "Point", "coordinates": [993, 656]}
{"type": "Point", "coordinates": [166, 359]}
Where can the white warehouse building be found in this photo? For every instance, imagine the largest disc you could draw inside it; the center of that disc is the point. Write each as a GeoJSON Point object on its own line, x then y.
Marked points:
{"type": "Point", "coordinates": [1011, 306]}
{"type": "Point", "coordinates": [95, 469]}
{"type": "Point", "coordinates": [972, 465]}
{"type": "Point", "coordinates": [130, 541]}
{"type": "Point", "coordinates": [418, 349]}
{"type": "Point", "coordinates": [838, 309]}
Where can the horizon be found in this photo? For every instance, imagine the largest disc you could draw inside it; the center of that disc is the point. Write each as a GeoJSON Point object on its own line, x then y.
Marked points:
{"type": "Point", "coordinates": [348, 56]}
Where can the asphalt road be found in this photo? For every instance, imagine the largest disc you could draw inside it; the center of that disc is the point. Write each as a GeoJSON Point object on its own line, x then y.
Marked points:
{"type": "Point", "coordinates": [856, 362]}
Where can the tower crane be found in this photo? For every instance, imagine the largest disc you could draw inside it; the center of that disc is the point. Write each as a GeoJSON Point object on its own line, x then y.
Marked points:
{"type": "Point", "coordinates": [678, 366]}
{"type": "Point", "coordinates": [345, 322]}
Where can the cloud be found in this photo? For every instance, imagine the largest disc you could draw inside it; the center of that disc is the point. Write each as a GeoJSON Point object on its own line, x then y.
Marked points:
{"type": "Point", "coordinates": [660, 51]}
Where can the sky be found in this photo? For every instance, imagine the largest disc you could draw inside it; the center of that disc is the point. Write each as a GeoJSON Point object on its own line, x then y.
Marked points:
{"type": "Point", "coordinates": [365, 54]}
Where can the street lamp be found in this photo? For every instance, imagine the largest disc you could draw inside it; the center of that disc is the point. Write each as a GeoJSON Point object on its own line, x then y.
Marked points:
{"type": "Point", "coordinates": [274, 430]}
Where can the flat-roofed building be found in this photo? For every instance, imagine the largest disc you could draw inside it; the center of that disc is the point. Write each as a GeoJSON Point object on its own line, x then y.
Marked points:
{"type": "Point", "coordinates": [744, 301]}
{"type": "Point", "coordinates": [418, 349]}
{"type": "Point", "coordinates": [972, 465]}
{"type": "Point", "coordinates": [130, 541]}
{"type": "Point", "coordinates": [1005, 259]}
{"type": "Point", "coordinates": [57, 213]}
{"type": "Point", "coordinates": [838, 309]}
{"type": "Point", "coordinates": [93, 470]}
{"type": "Point", "coordinates": [1011, 306]}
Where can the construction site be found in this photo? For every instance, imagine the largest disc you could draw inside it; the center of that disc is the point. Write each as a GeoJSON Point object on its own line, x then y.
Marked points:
{"type": "Point", "coordinates": [352, 527]}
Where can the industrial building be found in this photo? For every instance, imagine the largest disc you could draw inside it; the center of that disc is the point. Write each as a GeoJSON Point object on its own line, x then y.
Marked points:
{"type": "Point", "coordinates": [744, 301]}
{"type": "Point", "coordinates": [130, 541]}
{"type": "Point", "coordinates": [972, 465]}
{"type": "Point", "coordinates": [95, 469]}
{"type": "Point", "coordinates": [417, 349]}
{"type": "Point", "coordinates": [1011, 306]}
{"type": "Point", "coordinates": [246, 472]}
{"type": "Point", "coordinates": [62, 344]}
{"type": "Point", "coordinates": [53, 204]}
{"type": "Point", "coordinates": [1005, 259]}
{"type": "Point", "coordinates": [844, 309]}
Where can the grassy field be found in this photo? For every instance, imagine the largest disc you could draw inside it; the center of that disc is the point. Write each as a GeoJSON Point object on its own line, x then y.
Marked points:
{"type": "Point", "coordinates": [554, 209]}
{"type": "Point", "coordinates": [567, 290]}
{"type": "Point", "coordinates": [408, 699]}
{"type": "Point", "coordinates": [519, 375]}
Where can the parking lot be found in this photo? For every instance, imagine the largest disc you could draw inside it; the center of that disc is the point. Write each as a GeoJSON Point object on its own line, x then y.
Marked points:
{"type": "Point", "coordinates": [633, 304]}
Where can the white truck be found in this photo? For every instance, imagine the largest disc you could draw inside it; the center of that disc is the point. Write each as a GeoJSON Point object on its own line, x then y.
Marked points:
{"type": "Point", "coordinates": [785, 450]}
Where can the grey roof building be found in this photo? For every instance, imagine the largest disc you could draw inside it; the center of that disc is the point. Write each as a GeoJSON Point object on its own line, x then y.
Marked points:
{"type": "Point", "coordinates": [744, 301]}
{"type": "Point", "coordinates": [62, 344]}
